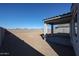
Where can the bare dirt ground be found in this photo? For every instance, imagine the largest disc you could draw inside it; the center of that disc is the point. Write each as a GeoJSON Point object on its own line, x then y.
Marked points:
{"type": "Point", "coordinates": [33, 38]}
{"type": "Point", "coordinates": [21, 42]}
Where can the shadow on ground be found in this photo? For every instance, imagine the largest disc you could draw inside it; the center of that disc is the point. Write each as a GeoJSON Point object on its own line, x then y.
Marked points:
{"type": "Point", "coordinates": [14, 46]}
{"type": "Point", "coordinates": [61, 50]}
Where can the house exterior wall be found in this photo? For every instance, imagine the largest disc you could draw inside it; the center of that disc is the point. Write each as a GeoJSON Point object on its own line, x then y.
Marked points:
{"type": "Point", "coordinates": [75, 38]}
{"type": "Point", "coordinates": [78, 28]}
{"type": "Point", "coordinates": [2, 31]}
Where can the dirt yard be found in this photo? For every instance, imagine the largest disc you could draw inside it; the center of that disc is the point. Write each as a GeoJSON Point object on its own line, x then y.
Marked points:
{"type": "Point", "coordinates": [21, 42]}
{"type": "Point", "coordinates": [34, 39]}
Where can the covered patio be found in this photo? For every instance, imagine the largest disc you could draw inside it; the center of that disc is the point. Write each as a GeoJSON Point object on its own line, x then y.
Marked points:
{"type": "Point", "coordinates": [60, 38]}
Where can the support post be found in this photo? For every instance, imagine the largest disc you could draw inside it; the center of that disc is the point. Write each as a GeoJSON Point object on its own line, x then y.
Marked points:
{"type": "Point", "coordinates": [70, 29]}
{"type": "Point", "coordinates": [45, 30]}
{"type": "Point", "coordinates": [73, 27]}
{"type": "Point", "coordinates": [52, 29]}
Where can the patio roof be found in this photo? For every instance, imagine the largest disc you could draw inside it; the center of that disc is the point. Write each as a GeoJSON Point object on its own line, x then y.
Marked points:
{"type": "Point", "coordinates": [61, 19]}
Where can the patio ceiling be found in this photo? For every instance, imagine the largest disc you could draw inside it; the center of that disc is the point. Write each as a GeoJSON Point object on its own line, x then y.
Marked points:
{"type": "Point", "coordinates": [61, 19]}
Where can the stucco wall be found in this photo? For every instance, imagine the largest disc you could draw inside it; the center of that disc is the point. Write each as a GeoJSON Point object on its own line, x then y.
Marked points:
{"type": "Point", "coordinates": [77, 44]}
{"type": "Point", "coordinates": [2, 31]}
{"type": "Point", "coordinates": [75, 38]}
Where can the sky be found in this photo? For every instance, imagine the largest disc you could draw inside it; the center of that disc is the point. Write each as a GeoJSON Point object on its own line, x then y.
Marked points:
{"type": "Point", "coordinates": [29, 15]}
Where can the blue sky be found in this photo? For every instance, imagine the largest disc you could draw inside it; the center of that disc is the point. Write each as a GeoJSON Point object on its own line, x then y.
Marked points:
{"type": "Point", "coordinates": [29, 15]}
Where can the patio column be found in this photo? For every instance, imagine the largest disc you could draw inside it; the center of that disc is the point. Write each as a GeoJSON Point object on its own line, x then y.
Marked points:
{"type": "Point", "coordinates": [70, 29]}
{"type": "Point", "coordinates": [73, 27]}
{"type": "Point", "coordinates": [45, 30]}
{"type": "Point", "coordinates": [51, 28]}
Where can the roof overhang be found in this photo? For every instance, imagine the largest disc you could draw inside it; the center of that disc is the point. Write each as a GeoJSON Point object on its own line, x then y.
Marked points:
{"type": "Point", "coordinates": [61, 19]}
